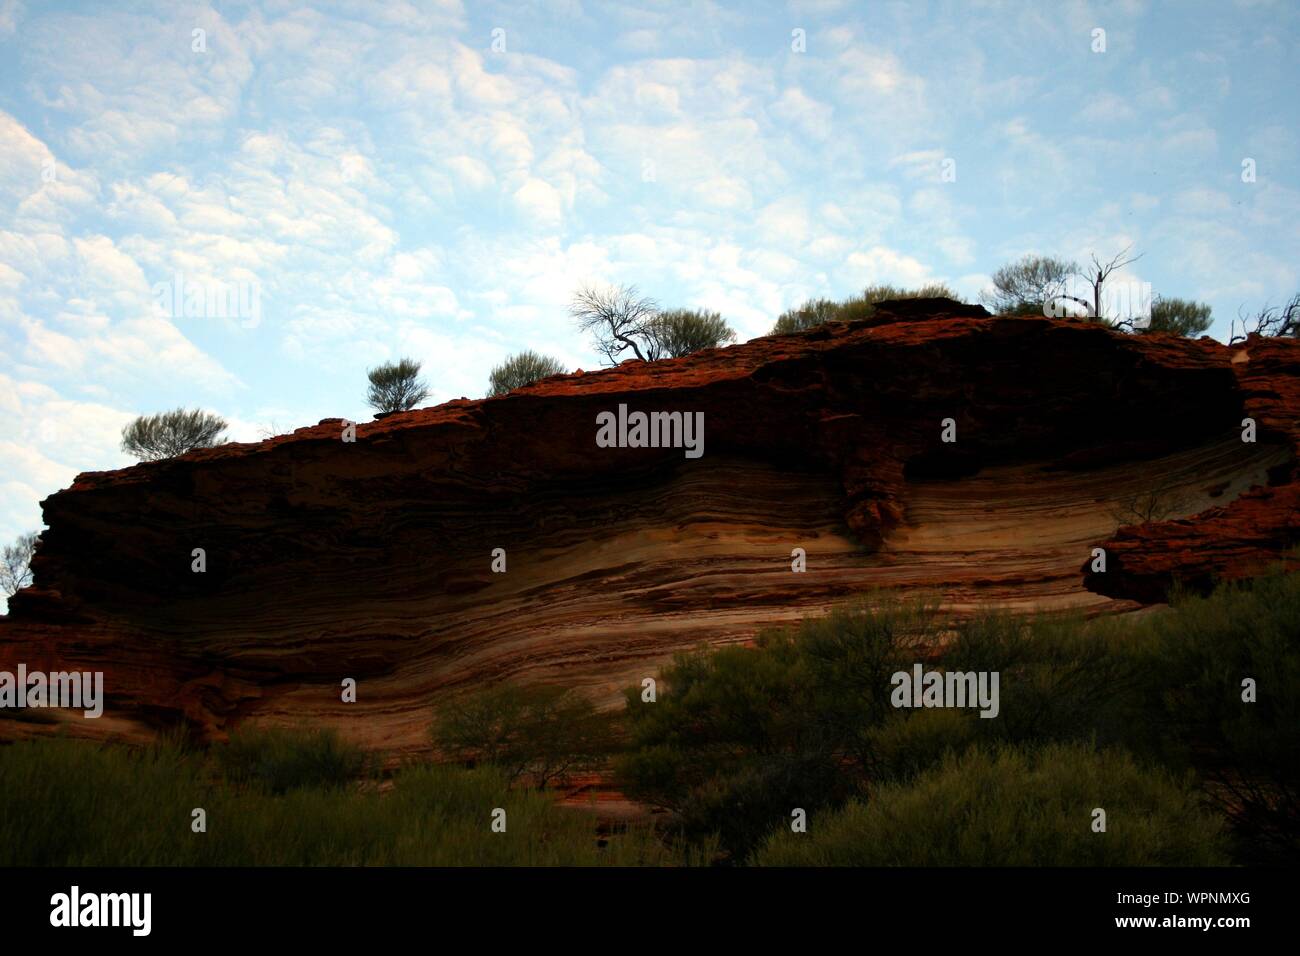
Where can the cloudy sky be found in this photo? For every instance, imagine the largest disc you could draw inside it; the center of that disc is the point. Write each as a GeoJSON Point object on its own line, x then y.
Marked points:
{"type": "Point", "coordinates": [433, 179]}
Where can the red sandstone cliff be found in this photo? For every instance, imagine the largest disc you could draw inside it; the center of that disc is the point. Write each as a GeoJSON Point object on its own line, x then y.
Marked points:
{"type": "Point", "coordinates": [372, 560]}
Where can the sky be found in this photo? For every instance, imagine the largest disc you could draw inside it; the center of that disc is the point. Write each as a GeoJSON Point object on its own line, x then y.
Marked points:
{"type": "Point", "coordinates": [373, 180]}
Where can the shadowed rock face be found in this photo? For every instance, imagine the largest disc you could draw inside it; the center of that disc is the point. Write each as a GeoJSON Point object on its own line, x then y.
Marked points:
{"type": "Point", "coordinates": [372, 560]}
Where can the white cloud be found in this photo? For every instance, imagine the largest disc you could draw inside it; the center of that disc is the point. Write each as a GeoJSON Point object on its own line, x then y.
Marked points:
{"type": "Point", "coordinates": [11, 11]}
{"type": "Point", "coordinates": [540, 204]}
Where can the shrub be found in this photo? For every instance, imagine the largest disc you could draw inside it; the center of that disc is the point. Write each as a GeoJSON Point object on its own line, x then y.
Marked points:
{"type": "Point", "coordinates": [520, 370]}
{"type": "Point", "coordinates": [279, 760]}
{"type": "Point", "coordinates": [1023, 287]}
{"type": "Point", "coordinates": [679, 332]}
{"type": "Point", "coordinates": [812, 313]}
{"type": "Point", "coordinates": [396, 387]}
{"type": "Point", "coordinates": [1015, 807]}
{"type": "Point", "coordinates": [1200, 653]}
{"type": "Point", "coordinates": [1060, 679]}
{"type": "Point", "coordinates": [168, 434]}
{"type": "Point", "coordinates": [537, 734]}
{"type": "Point", "coordinates": [70, 803]}
{"type": "Point", "coordinates": [1179, 316]}
{"type": "Point", "coordinates": [739, 733]}
{"type": "Point", "coordinates": [816, 311]}
{"type": "Point", "coordinates": [915, 741]}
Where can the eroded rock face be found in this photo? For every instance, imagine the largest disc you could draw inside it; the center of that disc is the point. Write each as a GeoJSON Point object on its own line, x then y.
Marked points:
{"type": "Point", "coordinates": [373, 560]}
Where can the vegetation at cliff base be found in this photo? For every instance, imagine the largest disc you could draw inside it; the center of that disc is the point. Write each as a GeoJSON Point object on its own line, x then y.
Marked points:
{"type": "Point", "coordinates": [1182, 725]}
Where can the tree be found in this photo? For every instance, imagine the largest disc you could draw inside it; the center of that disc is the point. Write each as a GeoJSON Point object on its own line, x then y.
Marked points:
{"type": "Point", "coordinates": [620, 318]}
{"type": "Point", "coordinates": [15, 564]}
{"type": "Point", "coordinates": [541, 734]}
{"type": "Point", "coordinates": [1097, 275]}
{"type": "Point", "coordinates": [1022, 287]}
{"type": "Point", "coordinates": [396, 387]}
{"type": "Point", "coordinates": [173, 433]}
{"type": "Point", "coordinates": [1273, 321]}
{"type": "Point", "coordinates": [1153, 503]}
{"type": "Point", "coordinates": [816, 311]}
{"type": "Point", "coordinates": [1179, 316]}
{"type": "Point", "coordinates": [680, 332]}
{"type": "Point", "coordinates": [520, 370]}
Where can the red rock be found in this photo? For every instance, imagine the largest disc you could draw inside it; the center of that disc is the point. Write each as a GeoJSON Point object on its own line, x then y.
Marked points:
{"type": "Point", "coordinates": [371, 560]}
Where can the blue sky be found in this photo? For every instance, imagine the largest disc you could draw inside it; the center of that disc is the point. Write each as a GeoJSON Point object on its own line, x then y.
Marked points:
{"type": "Point", "coordinates": [392, 185]}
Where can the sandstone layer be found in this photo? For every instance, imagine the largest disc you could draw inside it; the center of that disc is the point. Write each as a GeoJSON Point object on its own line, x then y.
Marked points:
{"type": "Point", "coordinates": [372, 559]}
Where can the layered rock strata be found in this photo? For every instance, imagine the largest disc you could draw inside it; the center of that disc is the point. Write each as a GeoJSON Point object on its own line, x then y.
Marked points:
{"type": "Point", "coordinates": [372, 559]}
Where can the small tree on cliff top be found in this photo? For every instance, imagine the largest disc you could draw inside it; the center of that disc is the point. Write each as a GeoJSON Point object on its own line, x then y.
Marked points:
{"type": "Point", "coordinates": [168, 434]}
{"type": "Point", "coordinates": [396, 386]}
{"type": "Point", "coordinates": [520, 370]}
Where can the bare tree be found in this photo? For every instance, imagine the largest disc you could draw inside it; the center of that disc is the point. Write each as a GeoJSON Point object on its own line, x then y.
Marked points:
{"type": "Point", "coordinates": [15, 564]}
{"type": "Point", "coordinates": [620, 318]}
{"type": "Point", "coordinates": [1154, 503]}
{"type": "Point", "coordinates": [1271, 321]}
{"type": "Point", "coordinates": [1096, 277]}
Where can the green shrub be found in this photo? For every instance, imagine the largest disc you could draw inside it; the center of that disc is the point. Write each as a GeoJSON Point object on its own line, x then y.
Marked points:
{"type": "Point", "coordinates": [914, 741]}
{"type": "Point", "coordinates": [70, 803]}
{"type": "Point", "coordinates": [396, 386]}
{"type": "Point", "coordinates": [1199, 654]}
{"type": "Point", "coordinates": [739, 736]}
{"type": "Point", "coordinates": [1015, 807]}
{"type": "Point", "coordinates": [855, 309]}
{"type": "Point", "coordinates": [1060, 678]}
{"type": "Point", "coordinates": [168, 434]}
{"type": "Point", "coordinates": [280, 760]}
{"type": "Point", "coordinates": [537, 734]}
{"type": "Point", "coordinates": [679, 332]}
{"type": "Point", "coordinates": [520, 370]}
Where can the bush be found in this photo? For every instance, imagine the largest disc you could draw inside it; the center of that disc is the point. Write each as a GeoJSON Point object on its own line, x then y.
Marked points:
{"type": "Point", "coordinates": [1025, 286]}
{"type": "Point", "coordinates": [679, 332]}
{"type": "Point", "coordinates": [70, 803]}
{"type": "Point", "coordinates": [812, 313]}
{"type": "Point", "coordinates": [520, 370]}
{"type": "Point", "coordinates": [280, 760]}
{"type": "Point", "coordinates": [537, 734]}
{"type": "Point", "coordinates": [1179, 316]}
{"type": "Point", "coordinates": [173, 433]}
{"type": "Point", "coordinates": [1199, 654]}
{"type": "Point", "coordinates": [915, 741]}
{"type": "Point", "coordinates": [816, 311]}
{"type": "Point", "coordinates": [1015, 807]}
{"type": "Point", "coordinates": [1060, 679]}
{"type": "Point", "coordinates": [396, 387]}
{"type": "Point", "coordinates": [739, 736]}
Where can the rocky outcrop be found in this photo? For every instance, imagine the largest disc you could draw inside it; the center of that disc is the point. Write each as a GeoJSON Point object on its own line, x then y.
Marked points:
{"type": "Point", "coordinates": [373, 559]}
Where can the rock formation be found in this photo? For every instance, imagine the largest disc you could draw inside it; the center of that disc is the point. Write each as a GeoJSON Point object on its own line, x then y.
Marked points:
{"type": "Point", "coordinates": [372, 559]}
